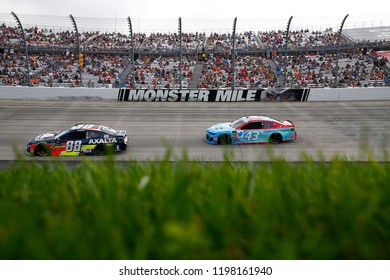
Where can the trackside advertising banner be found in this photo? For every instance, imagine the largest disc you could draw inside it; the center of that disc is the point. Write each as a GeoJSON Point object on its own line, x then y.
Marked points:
{"type": "Point", "coordinates": [213, 95]}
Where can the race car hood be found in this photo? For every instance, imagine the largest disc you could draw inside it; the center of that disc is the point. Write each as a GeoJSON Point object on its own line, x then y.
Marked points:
{"type": "Point", "coordinates": [220, 127]}
{"type": "Point", "coordinates": [45, 136]}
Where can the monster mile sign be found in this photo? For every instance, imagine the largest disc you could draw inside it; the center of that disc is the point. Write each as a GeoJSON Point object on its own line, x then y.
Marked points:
{"type": "Point", "coordinates": [215, 95]}
{"type": "Point", "coordinates": [200, 95]}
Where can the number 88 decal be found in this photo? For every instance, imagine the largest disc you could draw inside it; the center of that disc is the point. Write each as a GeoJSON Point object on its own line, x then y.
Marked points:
{"type": "Point", "coordinates": [73, 146]}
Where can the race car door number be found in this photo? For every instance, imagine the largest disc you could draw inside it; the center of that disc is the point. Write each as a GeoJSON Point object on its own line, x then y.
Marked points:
{"type": "Point", "coordinates": [73, 146]}
{"type": "Point", "coordinates": [252, 135]}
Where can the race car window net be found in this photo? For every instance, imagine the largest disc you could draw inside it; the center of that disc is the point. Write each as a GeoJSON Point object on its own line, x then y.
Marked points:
{"type": "Point", "coordinates": [73, 135]}
{"type": "Point", "coordinates": [253, 125]}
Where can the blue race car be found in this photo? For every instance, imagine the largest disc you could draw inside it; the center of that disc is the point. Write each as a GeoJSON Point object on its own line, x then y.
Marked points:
{"type": "Point", "coordinates": [251, 130]}
{"type": "Point", "coordinates": [78, 140]}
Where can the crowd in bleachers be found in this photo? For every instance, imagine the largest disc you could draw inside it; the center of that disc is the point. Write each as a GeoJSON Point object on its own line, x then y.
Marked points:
{"type": "Point", "coordinates": [222, 43]}
{"type": "Point", "coordinates": [161, 72]}
{"type": "Point", "coordinates": [356, 69]}
{"type": "Point", "coordinates": [259, 61]}
{"type": "Point", "coordinates": [12, 69]}
{"type": "Point", "coordinates": [300, 40]}
{"type": "Point", "coordinates": [251, 71]}
{"type": "Point", "coordinates": [161, 43]}
{"type": "Point", "coordinates": [111, 41]}
{"type": "Point", "coordinates": [9, 36]}
{"type": "Point", "coordinates": [57, 69]}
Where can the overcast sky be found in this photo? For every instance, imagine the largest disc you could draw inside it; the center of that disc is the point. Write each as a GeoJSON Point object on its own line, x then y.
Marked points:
{"type": "Point", "coordinates": [207, 9]}
{"type": "Point", "coordinates": [199, 15]}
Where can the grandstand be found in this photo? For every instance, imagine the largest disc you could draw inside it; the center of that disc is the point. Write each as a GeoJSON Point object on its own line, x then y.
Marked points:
{"type": "Point", "coordinates": [261, 57]}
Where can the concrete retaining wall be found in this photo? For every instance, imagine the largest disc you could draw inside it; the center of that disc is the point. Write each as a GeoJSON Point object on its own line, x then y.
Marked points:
{"type": "Point", "coordinates": [57, 93]}
{"type": "Point", "coordinates": [322, 94]}
{"type": "Point", "coordinates": [349, 94]}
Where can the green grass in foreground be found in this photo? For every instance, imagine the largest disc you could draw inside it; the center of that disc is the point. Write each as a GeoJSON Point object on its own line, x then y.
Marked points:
{"type": "Point", "coordinates": [280, 210]}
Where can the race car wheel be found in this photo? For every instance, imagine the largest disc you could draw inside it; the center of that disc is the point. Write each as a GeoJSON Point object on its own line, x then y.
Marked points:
{"type": "Point", "coordinates": [224, 139]}
{"type": "Point", "coordinates": [275, 138]}
{"type": "Point", "coordinates": [42, 150]}
{"type": "Point", "coordinates": [99, 150]}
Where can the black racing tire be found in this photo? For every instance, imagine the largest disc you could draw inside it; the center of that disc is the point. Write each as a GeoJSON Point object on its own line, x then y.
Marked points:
{"type": "Point", "coordinates": [99, 150]}
{"type": "Point", "coordinates": [275, 138]}
{"type": "Point", "coordinates": [122, 146]}
{"type": "Point", "coordinates": [224, 139]}
{"type": "Point", "coordinates": [42, 150]}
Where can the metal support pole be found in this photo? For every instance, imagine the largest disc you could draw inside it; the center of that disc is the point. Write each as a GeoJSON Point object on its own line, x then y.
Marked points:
{"type": "Point", "coordinates": [27, 61]}
{"type": "Point", "coordinates": [132, 52]}
{"type": "Point", "coordinates": [234, 53]}
{"type": "Point", "coordinates": [180, 55]}
{"type": "Point", "coordinates": [81, 64]}
{"type": "Point", "coordinates": [285, 53]}
{"type": "Point", "coordinates": [338, 51]}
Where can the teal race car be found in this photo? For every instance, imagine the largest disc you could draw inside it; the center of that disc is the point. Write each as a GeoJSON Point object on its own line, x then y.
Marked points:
{"type": "Point", "coordinates": [251, 130]}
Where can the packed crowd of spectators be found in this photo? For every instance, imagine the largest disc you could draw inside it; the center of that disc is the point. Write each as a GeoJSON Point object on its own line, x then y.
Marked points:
{"type": "Point", "coordinates": [356, 69]}
{"type": "Point", "coordinates": [300, 40]}
{"type": "Point", "coordinates": [61, 69]}
{"type": "Point", "coordinates": [12, 69]}
{"type": "Point", "coordinates": [222, 43]}
{"type": "Point", "coordinates": [53, 60]}
{"type": "Point", "coordinates": [47, 39]}
{"type": "Point", "coordinates": [158, 42]}
{"type": "Point", "coordinates": [251, 71]}
{"type": "Point", "coordinates": [111, 41]}
{"type": "Point", "coordinates": [159, 72]}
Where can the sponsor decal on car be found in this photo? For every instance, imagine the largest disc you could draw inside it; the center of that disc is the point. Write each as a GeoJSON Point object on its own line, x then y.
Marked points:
{"type": "Point", "coordinates": [103, 141]}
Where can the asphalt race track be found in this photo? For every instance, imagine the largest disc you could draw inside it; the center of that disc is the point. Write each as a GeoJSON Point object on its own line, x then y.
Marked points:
{"type": "Point", "coordinates": [353, 130]}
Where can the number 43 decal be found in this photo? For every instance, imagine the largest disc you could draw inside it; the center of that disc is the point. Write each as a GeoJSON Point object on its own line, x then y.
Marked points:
{"type": "Point", "coordinates": [252, 135]}
{"type": "Point", "coordinates": [73, 146]}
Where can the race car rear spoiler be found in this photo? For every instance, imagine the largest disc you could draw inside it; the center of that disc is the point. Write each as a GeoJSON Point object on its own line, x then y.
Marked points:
{"type": "Point", "coordinates": [121, 132]}
{"type": "Point", "coordinates": [288, 122]}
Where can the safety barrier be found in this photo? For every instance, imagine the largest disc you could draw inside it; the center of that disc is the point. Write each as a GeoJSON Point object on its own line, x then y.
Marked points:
{"type": "Point", "coordinates": [198, 95]}
{"type": "Point", "coordinates": [264, 95]}
{"type": "Point", "coordinates": [19, 92]}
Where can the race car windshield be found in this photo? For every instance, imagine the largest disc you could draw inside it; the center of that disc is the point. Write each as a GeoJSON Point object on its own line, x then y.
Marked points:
{"type": "Point", "coordinates": [59, 135]}
{"type": "Point", "coordinates": [237, 123]}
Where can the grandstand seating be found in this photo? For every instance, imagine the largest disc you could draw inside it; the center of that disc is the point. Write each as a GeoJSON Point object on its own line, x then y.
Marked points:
{"type": "Point", "coordinates": [261, 59]}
